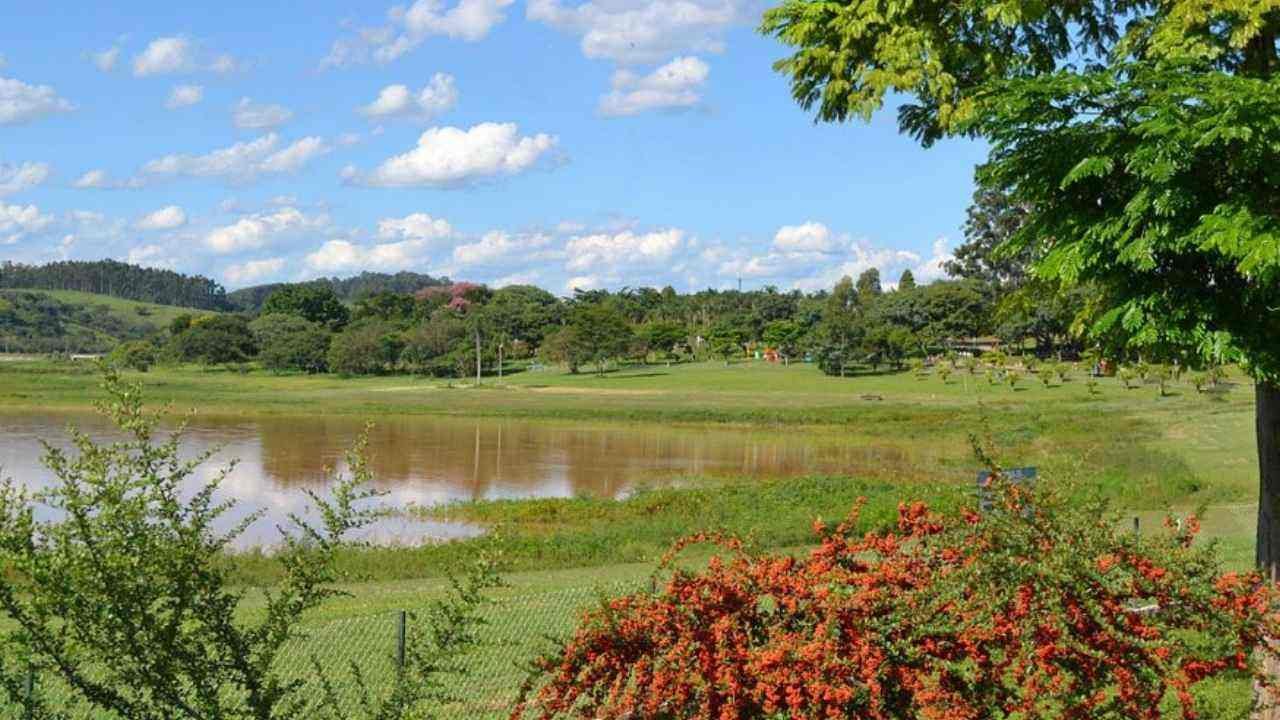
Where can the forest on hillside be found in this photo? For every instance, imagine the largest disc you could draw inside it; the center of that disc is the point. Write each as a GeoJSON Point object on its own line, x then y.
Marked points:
{"type": "Point", "coordinates": [347, 289]}
{"type": "Point", "coordinates": [117, 279]}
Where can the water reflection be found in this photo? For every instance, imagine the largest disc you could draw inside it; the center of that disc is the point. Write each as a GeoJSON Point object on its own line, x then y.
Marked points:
{"type": "Point", "coordinates": [435, 460]}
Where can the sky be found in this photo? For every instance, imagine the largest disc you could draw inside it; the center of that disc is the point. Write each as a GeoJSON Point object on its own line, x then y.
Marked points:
{"type": "Point", "coordinates": [561, 143]}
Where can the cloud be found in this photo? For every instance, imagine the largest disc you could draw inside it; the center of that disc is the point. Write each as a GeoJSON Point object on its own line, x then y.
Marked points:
{"type": "Point", "coordinates": [16, 178]}
{"type": "Point", "coordinates": [809, 237]}
{"type": "Point", "coordinates": [225, 64]}
{"type": "Point", "coordinates": [107, 59]}
{"type": "Point", "coordinates": [253, 270]}
{"type": "Point", "coordinates": [437, 97]}
{"type": "Point", "coordinates": [499, 247]}
{"type": "Point", "coordinates": [468, 20]}
{"type": "Point", "coordinates": [19, 221]}
{"type": "Point", "coordinates": [165, 55]}
{"type": "Point", "coordinates": [675, 85]}
{"type": "Point", "coordinates": [242, 161]}
{"type": "Point", "coordinates": [256, 231]}
{"type": "Point", "coordinates": [250, 116]}
{"type": "Point", "coordinates": [151, 256]}
{"type": "Point", "coordinates": [627, 249]}
{"type": "Point", "coordinates": [450, 157]}
{"type": "Point", "coordinates": [582, 282]}
{"type": "Point", "coordinates": [184, 96]}
{"type": "Point", "coordinates": [176, 54]}
{"type": "Point", "coordinates": [98, 179]}
{"type": "Point", "coordinates": [341, 255]}
{"type": "Point", "coordinates": [935, 267]}
{"type": "Point", "coordinates": [642, 31]}
{"type": "Point", "coordinates": [410, 241]}
{"type": "Point", "coordinates": [23, 103]}
{"type": "Point", "coordinates": [418, 226]}
{"type": "Point", "coordinates": [166, 218]}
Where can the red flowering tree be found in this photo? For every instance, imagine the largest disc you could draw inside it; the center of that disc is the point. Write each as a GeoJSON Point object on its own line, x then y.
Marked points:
{"type": "Point", "coordinates": [1034, 609]}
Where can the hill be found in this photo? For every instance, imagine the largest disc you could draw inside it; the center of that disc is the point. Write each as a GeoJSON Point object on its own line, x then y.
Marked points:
{"type": "Point", "coordinates": [119, 280]}
{"type": "Point", "coordinates": [41, 321]}
{"type": "Point", "coordinates": [348, 289]}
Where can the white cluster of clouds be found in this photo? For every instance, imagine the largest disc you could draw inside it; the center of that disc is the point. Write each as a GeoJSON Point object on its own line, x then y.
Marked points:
{"type": "Point", "coordinates": [453, 157]}
{"type": "Point", "coordinates": [811, 256]}
{"type": "Point", "coordinates": [184, 96]}
{"type": "Point", "coordinates": [23, 103]}
{"type": "Point", "coordinates": [99, 179]}
{"type": "Point", "coordinates": [252, 271]}
{"type": "Point", "coordinates": [18, 221]}
{"type": "Point", "coordinates": [632, 32]}
{"type": "Point", "coordinates": [170, 55]}
{"type": "Point", "coordinates": [166, 218]}
{"type": "Point", "coordinates": [398, 101]}
{"type": "Point", "coordinates": [248, 115]}
{"type": "Point", "coordinates": [16, 178]}
{"type": "Point", "coordinates": [405, 242]}
{"type": "Point", "coordinates": [676, 85]}
{"type": "Point", "coordinates": [407, 28]}
{"type": "Point", "coordinates": [106, 60]}
{"type": "Point", "coordinates": [242, 161]}
{"type": "Point", "coordinates": [255, 231]}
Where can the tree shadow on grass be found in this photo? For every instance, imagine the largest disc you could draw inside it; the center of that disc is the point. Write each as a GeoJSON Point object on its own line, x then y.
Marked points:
{"type": "Point", "coordinates": [629, 376]}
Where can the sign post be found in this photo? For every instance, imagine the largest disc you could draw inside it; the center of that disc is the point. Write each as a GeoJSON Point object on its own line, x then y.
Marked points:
{"type": "Point", "coordinates": [1017, 476]}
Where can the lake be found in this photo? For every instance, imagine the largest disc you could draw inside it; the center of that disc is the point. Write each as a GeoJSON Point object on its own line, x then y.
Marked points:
{"type": "Point", "coordinates": [433, 460]}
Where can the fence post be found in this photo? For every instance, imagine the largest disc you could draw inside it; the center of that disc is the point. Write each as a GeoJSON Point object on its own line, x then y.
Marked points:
{"type": "Point", "coordinates": [401, 621]}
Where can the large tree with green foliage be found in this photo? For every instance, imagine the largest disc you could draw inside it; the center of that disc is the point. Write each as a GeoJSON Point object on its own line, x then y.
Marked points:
{"type": "Point", "coordinates": [316, 302]}
{"type": "Point", "coordinates": [600, 334]}
{"type": "Point", "coordinates": [1142, 137]}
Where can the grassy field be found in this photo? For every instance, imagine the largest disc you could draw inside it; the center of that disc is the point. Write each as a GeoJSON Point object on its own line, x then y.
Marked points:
{"type": "Point", "coordinates": [1147, 452]}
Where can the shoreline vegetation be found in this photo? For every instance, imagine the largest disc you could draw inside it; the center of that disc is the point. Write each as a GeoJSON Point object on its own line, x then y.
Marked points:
{"type": "Point", "coordinates": [1143, 450]}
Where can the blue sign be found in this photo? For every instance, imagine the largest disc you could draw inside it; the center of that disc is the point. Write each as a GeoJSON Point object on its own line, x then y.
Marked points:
{"type": "Point", "coordinates": [1016, 476]}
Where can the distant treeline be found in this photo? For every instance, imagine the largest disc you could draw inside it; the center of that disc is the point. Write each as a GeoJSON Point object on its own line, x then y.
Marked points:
{"type": "Point", "coordinates": [117, 279]}
{"type": "Point", "coordinates": [34, 322]}
{"type": "Point", "coordinates": [350, 289]}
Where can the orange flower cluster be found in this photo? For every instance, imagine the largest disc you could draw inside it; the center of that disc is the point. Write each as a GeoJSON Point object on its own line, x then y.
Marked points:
{"type": "Point", "coordinates": [1033, 610]}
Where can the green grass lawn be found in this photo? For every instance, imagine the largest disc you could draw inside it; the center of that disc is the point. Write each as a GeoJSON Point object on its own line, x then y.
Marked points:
{"type": "Point", "coordinates": [1148, 453]}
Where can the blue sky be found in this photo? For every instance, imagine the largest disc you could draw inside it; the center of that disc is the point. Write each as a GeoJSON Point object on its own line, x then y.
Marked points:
{"type": "Point", "coordinates": [557, 142]}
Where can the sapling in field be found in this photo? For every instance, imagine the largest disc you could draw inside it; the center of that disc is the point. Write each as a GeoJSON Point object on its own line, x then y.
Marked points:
{"type": "Point", "coordinates": [118, 583]}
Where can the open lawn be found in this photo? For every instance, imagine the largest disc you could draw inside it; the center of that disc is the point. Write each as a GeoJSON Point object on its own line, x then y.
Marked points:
{"type": "Point", "coordinates": [1148, 453]}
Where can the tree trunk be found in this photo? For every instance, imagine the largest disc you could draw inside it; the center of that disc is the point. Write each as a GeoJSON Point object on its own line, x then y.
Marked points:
{"type": "Point", "coordinates": [1268, 545]}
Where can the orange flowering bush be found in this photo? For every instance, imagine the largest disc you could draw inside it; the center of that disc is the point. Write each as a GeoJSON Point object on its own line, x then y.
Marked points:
{"type": "Point", "coordinates": [1034, 609]}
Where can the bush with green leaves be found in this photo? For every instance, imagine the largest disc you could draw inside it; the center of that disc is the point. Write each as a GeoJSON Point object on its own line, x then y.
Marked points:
{"type": "Point", "coordinates": [116, 584]}
{"type": "Point", "coordinates": [365, 348]}
{"type": "Point", "coordinates": [290, 342]}
{"type": "Point", "coordinates": [1129, 377]}
{"type": "Point", "coordinates": [137, 355]}
{"type": "Point", "coordinates": [214, 340]}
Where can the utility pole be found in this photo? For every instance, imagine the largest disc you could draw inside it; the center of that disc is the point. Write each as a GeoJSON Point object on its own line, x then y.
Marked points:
{"type": "Point", "coordinates": [477, 356]}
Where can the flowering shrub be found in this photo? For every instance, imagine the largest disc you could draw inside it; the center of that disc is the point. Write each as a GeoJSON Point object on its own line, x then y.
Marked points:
{"type": "Point", "coordinates": [1034, 609]}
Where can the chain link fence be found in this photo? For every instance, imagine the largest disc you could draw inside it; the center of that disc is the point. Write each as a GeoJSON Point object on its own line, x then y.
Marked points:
{"type": "Point", "coordinates": [517, 628]}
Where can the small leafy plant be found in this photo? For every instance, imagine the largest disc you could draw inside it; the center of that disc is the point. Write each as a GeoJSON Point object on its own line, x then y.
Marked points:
{"type": "Point", "coordinates": [117, 583]}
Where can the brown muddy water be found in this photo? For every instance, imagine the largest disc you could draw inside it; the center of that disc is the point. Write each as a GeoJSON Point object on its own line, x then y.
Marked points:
{"type": "Point", "coordinates": [429, 461]}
